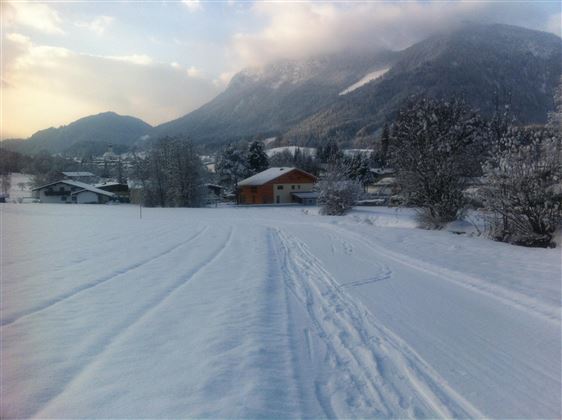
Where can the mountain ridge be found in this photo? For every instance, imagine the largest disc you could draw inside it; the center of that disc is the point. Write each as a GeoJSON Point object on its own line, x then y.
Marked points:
{"type": "Point", "coordinates": [311, 100]}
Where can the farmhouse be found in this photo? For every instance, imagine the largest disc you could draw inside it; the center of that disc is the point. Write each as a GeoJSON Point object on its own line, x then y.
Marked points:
{"type": "Point", "coordinates": [67, 191]}
{"type": "Point", "coordinates": [277, 185]}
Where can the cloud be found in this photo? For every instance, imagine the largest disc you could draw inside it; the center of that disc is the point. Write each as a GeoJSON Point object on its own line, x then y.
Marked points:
{"type": "Point", "coordinates": [295, 30]}
{"type": "Point", "coordinates": [194, 72]}
{"type": "Point", "coordinates": [46, 86]}
{"type": "Point", "coordinates": [98, 25]}
{"type": "Point", "coordinates": [138, 59]}
{"type": "Point", "coordinates": [193, 5]}
{"type": "Point", "coordinates": [37, 16]}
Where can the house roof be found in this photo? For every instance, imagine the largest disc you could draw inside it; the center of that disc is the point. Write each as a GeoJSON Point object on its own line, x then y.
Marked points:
{"type": "Point", "coordinates": [82, 185]}
{"type": "Point", "coordinates": [78, 174]}
{"type": "Point", "coordinates": [269, 175]}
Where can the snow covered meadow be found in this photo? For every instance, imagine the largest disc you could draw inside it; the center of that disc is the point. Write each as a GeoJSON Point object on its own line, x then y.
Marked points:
{"type": "Point", "coordinates": [271, 312]}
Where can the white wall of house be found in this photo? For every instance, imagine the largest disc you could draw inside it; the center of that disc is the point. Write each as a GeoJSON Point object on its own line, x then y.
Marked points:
{"type": "Point", "coordinates": [284, 193]}
{"type": "Point", "coordinates": [45, 197]}
{"type": "Point", "coordinates": [86, 197]}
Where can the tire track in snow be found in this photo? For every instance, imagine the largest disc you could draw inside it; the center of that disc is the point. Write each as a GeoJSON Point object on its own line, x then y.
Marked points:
{"type": "Point", "coordinates": [127, 325]}
{"type": "Point", "coordinates": [94, 283]}
{"type": "Point", "coordinates": [372, 371]}
{"type": "Point", "coordinates": [514, 299]}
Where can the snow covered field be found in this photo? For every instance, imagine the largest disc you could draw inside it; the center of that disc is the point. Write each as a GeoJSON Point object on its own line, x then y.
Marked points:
{"type": "Point", "coordinates": [271, 312]}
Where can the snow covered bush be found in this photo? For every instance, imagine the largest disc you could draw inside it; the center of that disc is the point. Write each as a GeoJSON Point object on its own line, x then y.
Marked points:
{"type": "Point", "coordinates": [524, 186]}
{"type": "Point", "coordinates": [435, 145]}
{"type": "Point", "coordinates": [337, 193]}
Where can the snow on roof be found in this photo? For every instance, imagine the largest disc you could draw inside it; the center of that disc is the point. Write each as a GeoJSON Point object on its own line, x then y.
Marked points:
{"type": "Point", "coordinates": [82, 185]}
{"type": "Point", "coordinates": [78, 174]}
{"type": "Point", "coordinates": [109, 184]}
{"type": "Point", "coordinates": [266, 176]}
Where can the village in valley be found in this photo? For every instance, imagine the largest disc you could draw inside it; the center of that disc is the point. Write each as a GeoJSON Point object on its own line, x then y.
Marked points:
{"type": "Point", "coordinates": [347, 211]}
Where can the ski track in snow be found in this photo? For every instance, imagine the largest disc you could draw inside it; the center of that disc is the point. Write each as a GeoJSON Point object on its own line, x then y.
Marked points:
{"type": "Point", "coordinates": [129, 323]}
{"type": "Point", "coordinates": [372, 371]}
{"type": "Point", "coordinates": [509, 297]}
{"type": "Point", "coordinates": [289, 339]}
{"type": "Point", "coordinates": [76, 291]}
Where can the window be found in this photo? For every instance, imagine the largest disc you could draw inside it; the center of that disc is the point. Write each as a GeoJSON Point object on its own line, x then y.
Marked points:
{"type": "Point", "coordinates": [280, 187]}
{"type": "Point", "coordinates": [292, 187]}
{"type": "Point", "coordinates": [61, 189]}
{"type": "Point", "coordinates": [63, 198]}
{"type": "Point", "coordinates": [254, 189]}
{"type": "Point", "coordinates": [299, 187]}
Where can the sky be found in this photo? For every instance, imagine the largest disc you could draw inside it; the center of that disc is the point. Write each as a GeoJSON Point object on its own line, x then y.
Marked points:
{"type": "Point", "coordinates": [158, 60]}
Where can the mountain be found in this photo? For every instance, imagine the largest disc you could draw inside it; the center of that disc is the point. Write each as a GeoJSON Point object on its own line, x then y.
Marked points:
{"type": "Point", "coordinates": [88, 135]}
{"type": "Point", "coordinates": [267, 101]}
{"type": "Point", "coordinates": [483, 64]}
{"type": "Point", "coordinates": [349, 96]}
{"type": "Point", "coordinates": [346, 96]}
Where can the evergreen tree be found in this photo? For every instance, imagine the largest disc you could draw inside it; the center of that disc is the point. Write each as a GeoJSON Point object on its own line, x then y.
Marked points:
{"type": "Point", "coordinates": [385, 140]}
{"type": "Point", "coordinates": [232, 167]}
{"type": "Point", "coordinates": [257, 158]}
{"type": "Point", "coordinates": [330, 152]}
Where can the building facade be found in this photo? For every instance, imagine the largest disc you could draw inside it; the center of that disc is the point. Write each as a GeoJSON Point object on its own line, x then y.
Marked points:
{"type": "Point", "coordinates": [275, 186]}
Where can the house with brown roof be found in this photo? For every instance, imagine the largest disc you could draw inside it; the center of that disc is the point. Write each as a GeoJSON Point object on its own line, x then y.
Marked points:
{"type": "Point", "coordinates": [278, 186]}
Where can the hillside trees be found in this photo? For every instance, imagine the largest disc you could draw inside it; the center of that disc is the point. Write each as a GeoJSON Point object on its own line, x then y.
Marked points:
{"type": "Point", "coordinates": [434, 146]}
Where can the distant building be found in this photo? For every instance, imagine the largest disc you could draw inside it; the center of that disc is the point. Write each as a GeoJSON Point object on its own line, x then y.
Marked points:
{"type": "Point", "coordinates": [121, 190]}
{"type": "Point", "coordinates": [68, 191]}
{"type": "Point", "coordinates": [87, 177]}
{"type": "Point", "coordinates": [277, 186]}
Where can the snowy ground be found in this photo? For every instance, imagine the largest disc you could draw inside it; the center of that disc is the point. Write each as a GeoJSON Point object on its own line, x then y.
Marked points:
{"type": "Point", "coordinates": [271, 312]}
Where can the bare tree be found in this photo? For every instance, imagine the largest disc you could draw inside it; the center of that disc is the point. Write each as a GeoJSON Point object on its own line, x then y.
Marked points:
{"type": "Point", "coordinates": [524, 190]}
{"type": "Point", "coordinates": [434, 146]}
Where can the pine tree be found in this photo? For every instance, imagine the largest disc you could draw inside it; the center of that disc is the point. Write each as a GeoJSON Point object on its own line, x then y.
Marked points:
{"type": "Point", "coordinates": [257, 158]}
{"type": "Point", "coordinates": [385, 140]}
{"type": "Point", "coordinates": [232, 167]}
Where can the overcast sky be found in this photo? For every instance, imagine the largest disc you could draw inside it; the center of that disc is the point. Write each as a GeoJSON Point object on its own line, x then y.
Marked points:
{"type": "Point", "coordinates": [158, 60]}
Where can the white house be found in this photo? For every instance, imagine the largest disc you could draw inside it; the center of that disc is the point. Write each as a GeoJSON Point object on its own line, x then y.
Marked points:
{"type": "Point", "coordinates": [67, 191]}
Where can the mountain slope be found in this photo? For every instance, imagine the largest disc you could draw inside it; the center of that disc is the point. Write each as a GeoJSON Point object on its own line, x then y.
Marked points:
{"type": "Point", "coordinates": [88, 135]}
{"type": "Point", "coordinates": [348, 97]}
{"type": "Point", "coordinates": [481, 63]}
{"type": "Point", "coordinates": [270, 100]}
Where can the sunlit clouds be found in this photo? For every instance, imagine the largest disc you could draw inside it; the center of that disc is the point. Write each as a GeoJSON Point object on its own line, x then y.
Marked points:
{"type": "Point", "coordinates": [158, 61]}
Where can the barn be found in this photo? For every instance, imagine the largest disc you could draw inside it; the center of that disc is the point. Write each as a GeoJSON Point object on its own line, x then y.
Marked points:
{"type": "Point", "coordinates": [279, 185]}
